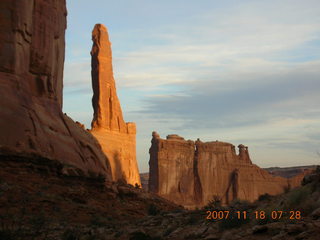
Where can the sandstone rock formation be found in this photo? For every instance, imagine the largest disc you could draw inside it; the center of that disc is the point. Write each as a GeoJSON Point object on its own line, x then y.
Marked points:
{"type": "Point", "coordinates": [117, 138]}
{"type": "Point", "coordinates": [193, 173]}
{"type": "Point", "coordinates": [32, 43]}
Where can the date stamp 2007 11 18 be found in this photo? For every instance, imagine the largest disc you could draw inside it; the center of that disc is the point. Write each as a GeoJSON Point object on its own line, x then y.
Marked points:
{"type": "Point", "coordinates": [259, 214]}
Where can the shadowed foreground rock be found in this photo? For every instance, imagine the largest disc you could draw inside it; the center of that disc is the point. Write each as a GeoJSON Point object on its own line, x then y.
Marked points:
{"type": "Point", "coordinates": [193, 173]}
{"type": "Point", "coordinates": [117, 138]}
{"type": "Point", "coordinates": [32, 49]}
{"type": "Point", "coordinates": [53, 206]}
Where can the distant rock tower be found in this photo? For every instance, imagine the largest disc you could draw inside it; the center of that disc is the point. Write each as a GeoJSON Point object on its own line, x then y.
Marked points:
{"type": "Point", "coordinates": [117, 138]}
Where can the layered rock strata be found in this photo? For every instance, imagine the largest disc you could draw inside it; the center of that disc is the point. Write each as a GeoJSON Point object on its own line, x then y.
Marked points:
{"type": "Point", "coordinates": [117, 138]}
{"type": "Point", "coordinates": [32, 50]}
{"type": "Point", "coordinates": [193, 173]}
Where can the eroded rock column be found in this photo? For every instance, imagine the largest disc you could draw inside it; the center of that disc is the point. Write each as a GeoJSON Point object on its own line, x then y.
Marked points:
{"type": "Point", "coordinates": [117, 138]}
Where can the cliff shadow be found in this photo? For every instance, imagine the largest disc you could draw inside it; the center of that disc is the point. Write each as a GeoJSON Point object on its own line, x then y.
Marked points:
{"type": "Point", "coordinates": [233, 186]}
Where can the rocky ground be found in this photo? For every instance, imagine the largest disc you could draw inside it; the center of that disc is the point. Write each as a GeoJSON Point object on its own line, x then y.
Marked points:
{"type": "Point", "coordinates": [39, 200]}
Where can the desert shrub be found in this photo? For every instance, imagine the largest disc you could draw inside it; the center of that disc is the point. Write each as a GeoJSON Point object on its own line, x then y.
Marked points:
{"type": "Point", "coordinates": [265, 197]}
{"type": "Point", "coordinates": [10, 226]}
{"type": "Point", "coordinates": [101, 178]}
{"type": "Point", "coordinates": [267, 219]}
{"type": "Point", "coordinates": [308, 206]}
{"type": "Point", "coordinates": [233, 222]}
{"type": "Point", "coordinates": [118, 234]}
{"type": "Point", "coordinates": [240, 205]}
{"type": "Point", "coordinates": [287, 188]}
{"type": "Point", "coordinates": [215, 203]}
{"type": "Point", "coordinates": [93, 236]}
{"type": "Point", "coordinates": [39, 225]}
{"type": "Point", "coordinates": [7, 235]}
{"type": "Point", "coordinates": [313, 177]}
{"type": "Point", "coordinates": [298, 195]}
{"type": "Point", "coordinates": [177, 210]}
{"type": "Point", "coordinates": [71, 234]}
{"type": "Point", "coordinates": [92, 174]}
{"type": "Point", "coordinates": [153, 210]}
{"type": "Point", "coordinates": [38, 221]}
{"type": "Point", "coordinates": [168, 231]}
{"type": "Point", "coordinates": [97, 221]}
{"type": "Point", "coordinates": [192, 219]}
{"type": "Point", "coordinates": [142, 236]}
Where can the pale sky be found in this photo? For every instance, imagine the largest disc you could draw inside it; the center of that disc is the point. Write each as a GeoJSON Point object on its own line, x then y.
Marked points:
{"type": "Point", "coordinates": [237, 71]}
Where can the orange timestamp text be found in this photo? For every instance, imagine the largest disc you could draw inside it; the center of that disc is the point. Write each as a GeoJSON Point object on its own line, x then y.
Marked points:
{"type": "Point", "coordinates": [259, 214]}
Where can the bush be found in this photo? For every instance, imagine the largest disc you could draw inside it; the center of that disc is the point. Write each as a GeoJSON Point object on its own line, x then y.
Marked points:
{"type": "Point", "coordinates": [287, 188]}
{"type": "Point", "coordinates": [240, 205]}
{"type": "Point", "coordinates": [139, 236]}
{"type": "Point", "coordinates": [192, 219]}
{"type": "Point", "coordinates": [215, 203]}
{"type": "Point", "coordinates": [71, 234]}
{"type": "Point", "coordinates": [97, 221]}
{"type": "Point", "coordinates": [265, 197]}
{"type": "Point", "coordinates": [297, 196]}
{"type": "Point", "coordinates": [267, 219]}
{"type": "Point", "coordinates": [233, 222]}
{"type": "Point", "coordinates": [308, 206]}
{"type": "Point", "coordinates": [153, 210]}
{"type": "Point", "coordinates": [6, 235]}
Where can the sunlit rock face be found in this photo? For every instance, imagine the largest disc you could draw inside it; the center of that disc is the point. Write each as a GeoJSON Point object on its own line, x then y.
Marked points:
{"type": "Point", "coordinates": [193, 173]}
{"type": "Point", "coordinates": [32, 47]}
{"type": "Point", "coordinates": [117, 138]}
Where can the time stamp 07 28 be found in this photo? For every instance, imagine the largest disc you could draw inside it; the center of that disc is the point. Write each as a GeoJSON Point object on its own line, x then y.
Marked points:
{"type": "Point", "coordinates": [258, 214]}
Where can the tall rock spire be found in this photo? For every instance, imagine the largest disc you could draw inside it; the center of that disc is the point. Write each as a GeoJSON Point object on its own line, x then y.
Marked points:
{"type": "Point", "coordinates": [116, 137]}
{"type": "Point", "coordinates": [105, 102]}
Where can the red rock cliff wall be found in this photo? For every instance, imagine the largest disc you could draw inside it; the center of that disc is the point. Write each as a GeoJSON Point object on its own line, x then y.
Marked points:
{"type": "Point", "coordinates": [205, 170]}
{"type": "Point", "coordinates": [32, 45]}
{"type": "Point", "coordinates": [172, 162]}
{"type": "Point", "coordinates": [117, 138]}
{"type": "Point", "coordinates": [225, 174]}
